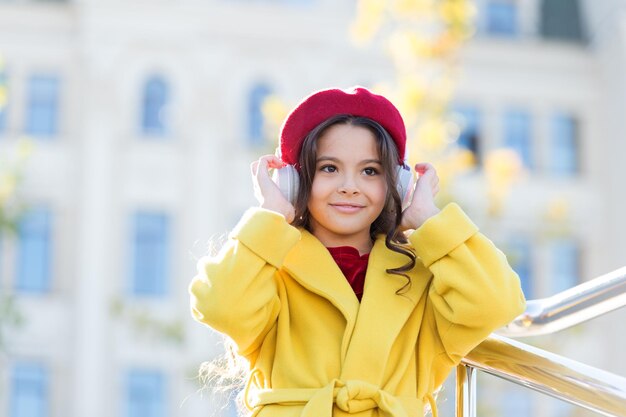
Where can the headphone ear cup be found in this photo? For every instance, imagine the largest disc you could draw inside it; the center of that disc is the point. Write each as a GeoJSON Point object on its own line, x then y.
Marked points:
{"type": "Point", "coordinates": [288, 181]}
{"type": "Point", "coordinates": [404, 183]}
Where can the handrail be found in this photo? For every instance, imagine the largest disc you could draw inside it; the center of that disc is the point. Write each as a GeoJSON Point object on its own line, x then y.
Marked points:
{"type": "Point", "coordinates": [570, 307]}
{"type": "Point", "coordinates": [546, 372]}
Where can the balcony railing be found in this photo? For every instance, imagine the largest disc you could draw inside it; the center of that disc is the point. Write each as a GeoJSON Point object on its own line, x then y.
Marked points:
{"type": "Point", "coordinates": [543, 371]}
{"type": "Point", "coordinates": [570, 307]}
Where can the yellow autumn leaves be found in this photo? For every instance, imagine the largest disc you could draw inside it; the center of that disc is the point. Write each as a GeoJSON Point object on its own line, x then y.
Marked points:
{"type": "Point", "coordinates": [12, 158]}
{"type": "Point", "coordinates": [423, 39]}
{"type": "Point", "coordinates": [405, 16]}
{"type": "Point", "coordinates": [4, 95]}
{"type": "Point", "coordinates": [11, 164]}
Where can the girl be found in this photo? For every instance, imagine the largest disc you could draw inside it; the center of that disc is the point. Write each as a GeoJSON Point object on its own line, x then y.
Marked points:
{"type": "Point", "coordinates": [343, 304]}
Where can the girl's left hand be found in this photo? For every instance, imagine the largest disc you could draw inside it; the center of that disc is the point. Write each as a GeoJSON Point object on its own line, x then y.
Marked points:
{"type": "Point", "coordinates": [422, 205]}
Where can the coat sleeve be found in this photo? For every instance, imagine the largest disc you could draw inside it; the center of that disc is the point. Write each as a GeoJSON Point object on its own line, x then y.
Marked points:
{"type": "Point", "coordinates": [473, 291]}
{"type": "Point", "coordinates": [235, 292]}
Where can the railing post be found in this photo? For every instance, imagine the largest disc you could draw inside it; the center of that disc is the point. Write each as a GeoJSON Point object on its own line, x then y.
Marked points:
{"type": "Point", "coordinates": [465, 391]}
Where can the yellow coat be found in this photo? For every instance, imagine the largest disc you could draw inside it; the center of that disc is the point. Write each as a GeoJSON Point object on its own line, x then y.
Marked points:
{"type": "Point", "coordinates": [315, 351]}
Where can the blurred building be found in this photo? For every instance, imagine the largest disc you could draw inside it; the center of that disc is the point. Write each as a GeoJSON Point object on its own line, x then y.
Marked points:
{"type": "Point", "coordinates": [146, 114]}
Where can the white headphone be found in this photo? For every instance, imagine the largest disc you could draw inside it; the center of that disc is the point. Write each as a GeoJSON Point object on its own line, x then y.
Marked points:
{"type": "Point", "coordinates": [288, 182]}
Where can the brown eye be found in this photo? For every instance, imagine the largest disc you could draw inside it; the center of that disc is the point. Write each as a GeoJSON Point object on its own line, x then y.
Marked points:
{"type": "Point", "coordinates": [328, 168]}
{"type": "Point", "coordinates": [369, 171]}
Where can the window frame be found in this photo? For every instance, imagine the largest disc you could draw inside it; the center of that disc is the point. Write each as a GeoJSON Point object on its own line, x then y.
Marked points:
{"type": "Point", "coordinates": [43, 105]}
{"type": "Point", "coordinates": [141, 285]}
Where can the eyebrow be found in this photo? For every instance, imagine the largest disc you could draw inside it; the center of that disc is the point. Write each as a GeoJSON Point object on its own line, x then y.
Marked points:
{"type": "Point", "coordinates": [363, 162]}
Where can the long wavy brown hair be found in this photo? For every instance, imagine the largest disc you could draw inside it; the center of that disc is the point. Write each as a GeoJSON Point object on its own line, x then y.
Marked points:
{"type": "Point", "coordinates": [227, 374]}
{"type": "Point", "coordinates": [388, 222]}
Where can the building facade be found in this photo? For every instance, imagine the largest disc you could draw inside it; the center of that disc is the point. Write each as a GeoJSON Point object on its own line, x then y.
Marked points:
{"type": "Point", "coordinates": [145, 115]}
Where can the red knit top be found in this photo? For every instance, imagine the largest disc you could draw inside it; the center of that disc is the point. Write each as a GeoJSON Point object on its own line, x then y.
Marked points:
{"type": "Point", "coordinates": [353, 266]}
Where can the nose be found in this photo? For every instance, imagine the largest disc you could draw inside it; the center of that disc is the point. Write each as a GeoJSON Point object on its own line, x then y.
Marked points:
{"type": "Point", "coordinates": [348, 186]}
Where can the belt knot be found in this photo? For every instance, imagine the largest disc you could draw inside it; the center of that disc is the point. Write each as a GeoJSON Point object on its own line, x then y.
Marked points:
{"type": "Point", "coordinates": [354, 396]}
{"type": "Point", "coordinates": [351, 396]}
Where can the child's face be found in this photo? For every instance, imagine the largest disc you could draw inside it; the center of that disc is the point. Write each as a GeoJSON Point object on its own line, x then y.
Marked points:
{"type": "Point", "coordinates": [349, 188]}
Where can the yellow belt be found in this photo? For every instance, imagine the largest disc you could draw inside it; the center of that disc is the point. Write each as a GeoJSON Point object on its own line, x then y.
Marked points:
{"type": "Point", "coordinates": [352, 396]}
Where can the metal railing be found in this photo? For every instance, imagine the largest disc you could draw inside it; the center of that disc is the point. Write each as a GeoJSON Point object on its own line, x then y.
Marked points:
{"type": "Point", "coordinates": [543, 371]}
{"type": "Point", "coordinates": [570, 307]}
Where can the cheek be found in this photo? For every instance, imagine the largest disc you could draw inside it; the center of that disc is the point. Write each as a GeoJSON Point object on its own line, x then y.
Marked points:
{"type": "Point", "coordinates": [315, 190]}
{"type": "Point", "coordinates": [320, 187]}
{"type": "Point", "coordinates": [381, 192]}
{"type": "Point", "coordinates": [317, 194]}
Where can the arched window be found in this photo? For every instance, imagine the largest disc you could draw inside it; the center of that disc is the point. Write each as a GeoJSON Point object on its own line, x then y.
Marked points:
{"type": "Point", "coordinates": [155, 100]}
{"type": "Point", "coordinates": [256, 97]}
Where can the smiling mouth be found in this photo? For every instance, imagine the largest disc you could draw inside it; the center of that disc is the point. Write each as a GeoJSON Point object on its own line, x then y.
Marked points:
{"type": "Point", "coordinates": [347, 208]}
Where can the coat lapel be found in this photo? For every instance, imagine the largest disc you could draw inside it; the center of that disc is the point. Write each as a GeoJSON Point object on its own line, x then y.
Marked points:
{"type": "Point", "coordinates": [310, 263]}
{"type": "Point", "coordinates": [373, 325]}
{"type": "Point", "coordinates": [383, 313]}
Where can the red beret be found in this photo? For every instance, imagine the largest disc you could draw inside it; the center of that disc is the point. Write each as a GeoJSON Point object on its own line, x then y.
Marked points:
{"type": "Point", "coordinates": [321, 105]}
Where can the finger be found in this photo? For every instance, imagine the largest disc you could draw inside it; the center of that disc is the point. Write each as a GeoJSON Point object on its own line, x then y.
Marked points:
{"type": "Point", "coordinates": [253, 167]}
{"type": "Point", "coordinates": [262, 176]}
{"type": "Point", "coordinates": [262, 161]}
{"type": "Point", "coordinates": [262, 169]}
{"type": "Point", "coordinates": [272, 161]}
{"type": "Point", "coordinates": [424, 168]}
{"type": "Point", "coordinates": [275, 162]}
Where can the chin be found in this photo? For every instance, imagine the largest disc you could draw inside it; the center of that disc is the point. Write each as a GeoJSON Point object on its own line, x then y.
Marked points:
{"type": "Point", "coordinates": [348, 231]}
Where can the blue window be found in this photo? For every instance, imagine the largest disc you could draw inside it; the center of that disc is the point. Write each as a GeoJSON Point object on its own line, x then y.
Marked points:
{"type": "Point", "coordinates": [565, 265]}
{"type": "Point", "coordinates": [150, 253]}
{"type": "Point", "coordinates": [520, 257]}
{"type": "Point", "coordinates": [517, 135]}
{"type": "Point", "coordinates": [145, 394]}
{"type": "Point", "coordinates": [469, 124]}
{"type": "Point", "coordinates": [33, 255]}
{"type": "Point", "coordinates": [29, 391]}
{"type": "Point", "coordinates": [42, 105]}
{"type": "Point", "coordinates": [256, 134]}
{"type": "Point", "coordinates": [501, 17]}
{"type": "Point", "coordinates": [156, 97]}
{"type": "Point", "coordinates": [564, 145]}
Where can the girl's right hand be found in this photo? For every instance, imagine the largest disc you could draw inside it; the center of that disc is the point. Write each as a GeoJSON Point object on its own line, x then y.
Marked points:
{"type": "Point", "coordinates": [266, 191]}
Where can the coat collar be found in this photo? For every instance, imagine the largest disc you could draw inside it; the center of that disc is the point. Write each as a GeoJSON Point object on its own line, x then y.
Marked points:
{"type": "Point", "coordinates": [310, 263]}
{"type": "Point", "coordinates": [378, 319]}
